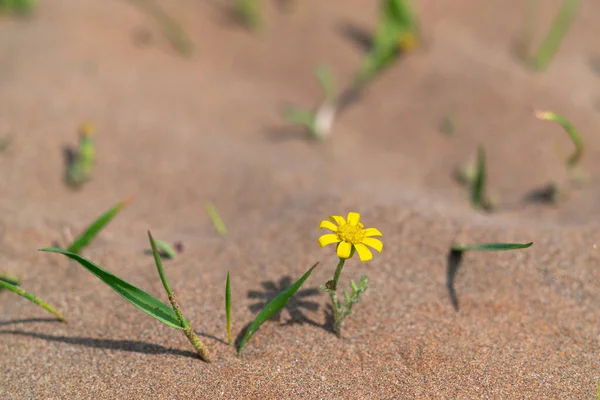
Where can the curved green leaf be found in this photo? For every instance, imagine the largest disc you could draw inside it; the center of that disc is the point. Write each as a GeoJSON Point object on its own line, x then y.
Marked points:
{"type": "Point", "coordinates": [142, 300]}
{"type": "Point", "coordinates": [30, 297]}
{"type": "Point", "coordinates": [90, 233]}
{"type": "Point", "coordinates": [273, 307]}
{"type": "Point", "coordinates": [492, 247]}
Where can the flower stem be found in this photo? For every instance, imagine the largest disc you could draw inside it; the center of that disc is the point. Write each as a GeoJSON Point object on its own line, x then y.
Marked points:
{"type": "Point", "coordinates": [337, 319]}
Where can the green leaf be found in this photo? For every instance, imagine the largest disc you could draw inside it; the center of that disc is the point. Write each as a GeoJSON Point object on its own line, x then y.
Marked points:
{"type": "Point", "coordinates": [273, 307]}
{"type": "Point", "coordinates": [165, 249]}
{"type": "Point", "coordinates": [492, 247]}
{"type": "Point", "coordinates": [142, 300]}
{"type": "Point", "coordinates": [215, 217]}
{"type": "Point", "coordinates": [90, 233]}
{"type": "Point", "coordinates": [228, 308]}
{"type": "Point", "coordinates": [573, 160]}
{"type": "Point", "coordinates": [29, 296]}
{"type": "Point", "coordinates": [478, 188]}
{"type": "Point", "coordinates": [10, 278]}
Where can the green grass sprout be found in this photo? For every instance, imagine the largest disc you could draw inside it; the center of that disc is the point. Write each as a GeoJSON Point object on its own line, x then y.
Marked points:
{"type": "Point", "coordinates": [228, 309]}
{"type": "Point", "coordinates": [17, 6]}
{"type": "Point", "coordinates": [15, 289]}
{"type": "Point", "coordinates": [81, 166]}
{"type": "Point", "coordinates": [90, 233]}
{"type": "Point", "coordinates": [216, 219]}
{"type": "Point", "coordinates": [318, 123]}
{"type": "Point", "coordinates": [175, 34]}
{"type": "Point", "coordinates": [574, 159]}
{"type": "Point", "coordinates": [164, 249]}
{"type": "Point", "coordinates": [10, 278]}
{"type": "Point", "coordinates": [551, 43]}
{"type": "Point", "coordinates": [492, 247]}
{"type": "Point", "coordinates": [250, 13]}
{"type": "Point", "coordinates": [272, 308]}
{"type": "Point", "coordinates": [479, 199]}
{"type": "Point", "coordinates": [396, 32]}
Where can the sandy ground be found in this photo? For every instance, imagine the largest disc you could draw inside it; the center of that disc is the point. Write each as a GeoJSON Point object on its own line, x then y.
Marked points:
{"type": "Point", "coordinates": [177, 133]}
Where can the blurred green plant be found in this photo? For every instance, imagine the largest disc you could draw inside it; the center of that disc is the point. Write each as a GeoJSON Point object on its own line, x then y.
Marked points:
{"type": "Point", "coordinates": [272, 308]}
{"type": "Point", "coordinates": [573, 160]}
{"type": "Point", "coordinates": [9, 278]}
{"type": "Point", "coordinates": [318, 123]}
{"type": "Point", "coordinates": [216, 219]}
{"type": "Point", "coordinates": [397, 31]}
{"type": "Point", "coordinates": [170, 316]}
{"type": "Point", "coordinates": [95, 227]}
{"type": "Point", "coordinates": [165, 250]}
{"type": "Point", "coordinates": [228, 309]}
{"type": "Point", "coordinates": [250, 13]}
{"type": "Point", "coordinates": [475, 177]}
{"type": "Point", "coordinates": [81, 164]}
{"type": "Point", "coordinates": [448, 125]}
{"type": "Point", "coordinates": [17, 6]}
{"type": "Point", "coordinates": [16, 289]}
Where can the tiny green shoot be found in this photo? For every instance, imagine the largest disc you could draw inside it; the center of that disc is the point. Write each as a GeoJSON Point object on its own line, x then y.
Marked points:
{"type": "Point", "coordinates": [272, 308]}
{"type": "Point", "coordinates": [250, 12]}
{"type": "Point", "coordinates": [81, 167]}
{"type": "Point", "coordinates": [216, 219]}
{"type": "Point", "coordinates": [95, 227]}
{"type": "Point", "coordinates": [318, 123]}
{"type": "Point", "coordinates": [15, 289]}
{"type": "Point", "coordinates": [17, 6]}
{"type": "Point", "coordinates": [491, 247]}
{"type": "Point", "coordinates": [228, 309]}
{"type": "Point", "coordinates": [9, 278]}
{"type": "Point", "coordinates": [479, 199]}
{"type": "Point", "coordinates": [396, 32]}
{"type": "Point", "coordinates": [574, 159]}
{"type": "Point", "coordinates": [164, 249]}
{"type": "Point", "coordinates": [559, 28]}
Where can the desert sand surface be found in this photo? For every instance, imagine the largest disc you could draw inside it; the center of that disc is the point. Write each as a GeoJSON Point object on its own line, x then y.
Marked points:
{"type": "Point", "coordinates": [177, 132]}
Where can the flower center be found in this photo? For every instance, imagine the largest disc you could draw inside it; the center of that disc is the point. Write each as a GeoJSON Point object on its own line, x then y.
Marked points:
{"type": "Point", "coordinates": [351, 234]}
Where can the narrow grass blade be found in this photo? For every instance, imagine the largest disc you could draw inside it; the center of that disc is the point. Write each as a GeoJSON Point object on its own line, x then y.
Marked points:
{"type": "Point", "coordinates": [140, 299]}
{"type": "Point", "coordinates": [10, 278]}
{"type": "Point", "coordinates": [558, 30]}
{"type": "Point", "coordinates": [327, 81]}
{"type": "Point", "coordinates": [187, 329]}
{"type": "Point", "coordinates": [228, 308]}
{"type": "Point", "coordinates": [273, 307]}
{"type": "Point", "coordinates": [492, 247]}
{"type": "Point", "coordinates": [216, 219]}
{"type": "Point", "coordinates": [90, 233]}
{"type": "Point", "coordinates": [299, 116]}
{"type": "Point", "coordinates": [32, 298]}
{"type": "Point", "coordinates": [478, 187]}
{"type": "Point", "coordinates": [573, 160]}
{"type": "Point", "coordinates": [165, 249]}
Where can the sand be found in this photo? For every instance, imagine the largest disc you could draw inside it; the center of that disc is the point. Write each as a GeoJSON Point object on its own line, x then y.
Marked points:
{"type": "Point", "coordinates": [177, 133]}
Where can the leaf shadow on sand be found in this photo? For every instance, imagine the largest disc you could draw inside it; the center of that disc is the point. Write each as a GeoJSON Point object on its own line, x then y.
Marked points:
{"type": "Point", "coordinates": [133, 346]}
{"type": "Point", "coordinates": [454, 262]}
{"type": "Point", "coordinates": [28, 321]}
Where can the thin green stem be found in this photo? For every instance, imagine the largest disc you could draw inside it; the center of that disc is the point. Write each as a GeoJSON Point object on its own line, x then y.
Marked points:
{"type": "Point", "coordinates": [338, 271]}
{"type": "Point", "coordinates": [32, 298]}
{"type": "Point", "coordinates": [228, 309]}
{"type": "Point", "coordinates": [189, 332]}
{"type": "Point", "coordinates": [332, 286]}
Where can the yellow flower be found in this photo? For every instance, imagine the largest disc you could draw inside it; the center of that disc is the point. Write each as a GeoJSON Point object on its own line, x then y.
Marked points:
{"type": "Point", "coordinates": [350, 235]}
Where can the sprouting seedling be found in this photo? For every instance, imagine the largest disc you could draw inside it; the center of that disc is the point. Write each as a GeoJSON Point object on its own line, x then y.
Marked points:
{"type": "Point", "coordinates": [228, 309]}
{"type": "Point", "coordinates": [95, 227]}
{"type": "Point", "coordinates": [80, 168]}
{"type": "Point", "coordinates": [17, 6]}
{"type": "Point", "coordinates": [559, 28]}
{"type": "Point", "coordinates": [165, 249]}
{"type": "Point", "coordinates": [16, 289]}
{"type": "Point", "coordinates": [175, 34]}
{"type": "Point", "coordinates": [9, 278]}
{"type": "Point", "coordinates": [272, 308]}
{"type": "Point", "coordinates": [396, 32]}
{"type": "Point", "coordinates": [250, 12]}
{"type": "Point", "coordinates": [318, 123]}
{"type": "Point", "coordinates": [574, 158]}
{"type": "Point", "coordinates": [216, 219]}
{"type": "Point", "coordinates": [455, 256]}
{"type": "Point", "coordinates": [170, 316]}
{"type": "Point", "coordinates": [475, 177]}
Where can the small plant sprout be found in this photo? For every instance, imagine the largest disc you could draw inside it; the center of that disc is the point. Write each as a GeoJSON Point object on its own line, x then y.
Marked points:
{"type": "Point", "coordinates": [319, 122]}
{"type": "Point", "coordinates": [250, 12]}
{"type": "Point", "coordinates": [455, 256]}
{"type": "Point", "coordinates": [164, 249]}
{"type": "Point", "coordinates": [170, 316]}
{"type": "Point", "coordinates": [551, 43]}
{"type": "Point", "coordinates": [272, 308]}
{"type": "Point", "coordinates": [573, 160]}
{"type": "Point", "coordinates": [228, 309]}
{"type": "Point", "coordinates": [95, 227]}
{"type": "Point", "coordinates": [80, 168]}
{"type": "Point", "coordinates": [396, 32]}
{"type": "Point", "coordinates": [16, 289]}
{"type": "Point", "coordinates": [9, 278]}
{"type": "Point", "coordinates": [475, 177]}
{"type": "Point", "coordinates": [351, 237]}
{"type": "Point", "coordinates": [216, 219]}
{"type": "Point", "coordinates": [17, 6]}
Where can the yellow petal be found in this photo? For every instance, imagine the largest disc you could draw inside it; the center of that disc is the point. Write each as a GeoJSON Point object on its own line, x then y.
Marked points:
{"type": "Point", "coordinates": [328, 239]}
{"type": "Point", "coordinates": [338, 220]}
{"type": "Point", "coordinates": [353, 218]}
{"type": "Point", "coordinates": [363, 252]}
{"type": "Point", "coordinates": [374, 243]}
{"type": "Point", "coordinates": [372, 232]}
{"type": "Point", "coordinates": [343, 250]}
{"type": "Point", "coordinates": [328, 225]}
